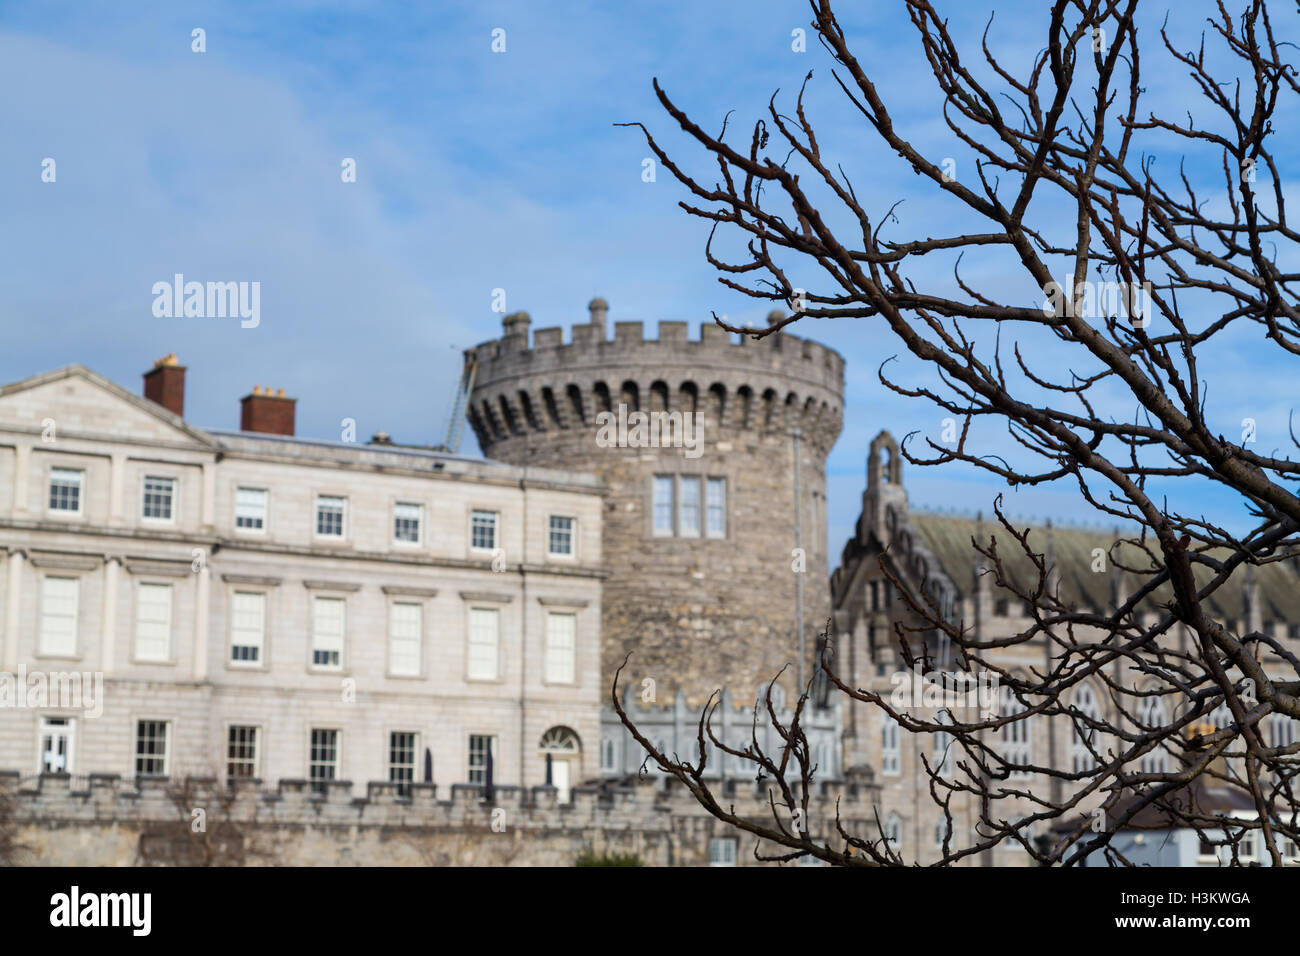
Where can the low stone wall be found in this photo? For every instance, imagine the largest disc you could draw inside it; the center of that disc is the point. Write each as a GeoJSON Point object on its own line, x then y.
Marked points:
{"type": "Point", "coordinates": [155, 821]}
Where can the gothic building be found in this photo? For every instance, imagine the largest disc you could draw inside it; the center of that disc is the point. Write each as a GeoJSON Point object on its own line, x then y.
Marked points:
{"type": "Point", "coordinates": [934, 554]}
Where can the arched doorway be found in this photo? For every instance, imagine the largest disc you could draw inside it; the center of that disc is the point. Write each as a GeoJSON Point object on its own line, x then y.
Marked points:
{"type": "Point", "coordinates": [563, 751]}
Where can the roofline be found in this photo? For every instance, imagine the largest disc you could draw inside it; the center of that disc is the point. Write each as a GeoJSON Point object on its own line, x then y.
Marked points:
{"type": "Point", "coordinates": [140, 402]}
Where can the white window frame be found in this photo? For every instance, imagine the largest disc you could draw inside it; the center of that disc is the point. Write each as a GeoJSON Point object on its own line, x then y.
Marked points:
{"type": "Point", "coordinates": [173, 499]}
{"type": "Point", "coordinates": [470, 768]}
{"type": "Point", "coordinates": [46, 633]}
{"type": "Point", "coordinates": [63, 473]}
{"type": "Point", "coordinates": [394, 639]}
{"type": "Point", "coordinates": [943, 744]}
{"type": "Point", "coordinates": [318, 603]}
{"type": "Point", "coordinates": [254, 763]}
{"type": "Point", "coordinates": [711, 482]}
{"type": "Point", "coordinates": [335, 765]}
{"type": "Point", "coordinates": [572, 532]}
{"type": "Point", "coordinates": [414, 766]}
{"type": "Point", "coordinates": [723, 851]}
{"type": "Point", "coordinates": [474, 613]}
{"type": "Point", "coordinates": [697, 529]}
{"type": "Point", "coordinates": [1017, 742]}
{"type": "Point", "coordinates": [343, 517]}
{"type": "Point", "coordinates": [265, 516]}
{"type": "Point", "coordinates": [137, 756]}
{"type": "Point", "coordinates": [656, 483]}
{"type": "Point", "coordinates": [893, 832]}
{"type": "Point", "coordinates": [474, 513]}
{"type": "Point", "coordinates": [137, 649]}
{"type": "Point", "coordinates": [1085, 702]}
{"type": "Point", "coordinates": [891, 750]}
{"type": "Point", "coordinates": [49, 725]}
{"type": "Point", "coordinates": [609, 753]}
{"type": "Point", "coordinates": [1152, 712]}
{"type": "Point", "coordinates": [942, 830]}
{"type": "Point", "coordinates": [399, 506]}
{"type": "Point", "coordinates": [260, 661]}
{"type": "Point", "coordinates": [560, 664]}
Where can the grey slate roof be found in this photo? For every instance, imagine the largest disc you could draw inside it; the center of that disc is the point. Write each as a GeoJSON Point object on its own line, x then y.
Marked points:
{"type": "Point", "coordinates": [950, 537]}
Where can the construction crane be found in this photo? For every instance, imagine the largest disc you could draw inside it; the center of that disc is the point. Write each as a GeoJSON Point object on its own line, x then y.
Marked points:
{"type": "Point", "coordinates": [457, 424]}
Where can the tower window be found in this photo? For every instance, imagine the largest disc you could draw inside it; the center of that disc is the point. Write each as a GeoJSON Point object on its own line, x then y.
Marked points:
{"type": "Point", "coordinates": [716, 505]}
{"type": "Point", "coordinates": [689, 505]}
{"type": "Point", "coordinates": [663, 504]}
{"type": "Point", "coordinates": [689, 515]}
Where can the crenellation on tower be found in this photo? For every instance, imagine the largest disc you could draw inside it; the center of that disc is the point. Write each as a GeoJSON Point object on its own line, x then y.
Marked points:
{"type": "Point", "coordinates": [700, 546]}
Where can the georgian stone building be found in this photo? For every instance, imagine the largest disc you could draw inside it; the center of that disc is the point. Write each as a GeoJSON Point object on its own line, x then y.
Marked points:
{"type": "Point", "coordinates": [707, 541]}
{"type": "Point", "coordinates": [262, 605]}
{"type": "Point", "coordinates": [935, 552]}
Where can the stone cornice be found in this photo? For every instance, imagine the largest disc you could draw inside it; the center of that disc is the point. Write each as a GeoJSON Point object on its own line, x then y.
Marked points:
{"type": "Point", "coordinates": [64, 562]}
{"type": "Point", "coordinates": [409, 591]}
{"type": "Point", "coordinates": [317, 585]}
{"type": "Point", "coordinates": [252, 579]}
{"type": "Point", "coordinates": [168, 569]}
{"type": "Point", "coordinates": [562, 602]}
{"type": "Point", "coordinates": [494, 597]}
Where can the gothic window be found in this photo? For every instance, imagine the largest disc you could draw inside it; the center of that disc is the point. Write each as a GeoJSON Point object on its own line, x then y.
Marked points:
{"type": "Point", "coordinates": [1151, 715]}
{"type": "Point", "coordinates": [1085, 702]}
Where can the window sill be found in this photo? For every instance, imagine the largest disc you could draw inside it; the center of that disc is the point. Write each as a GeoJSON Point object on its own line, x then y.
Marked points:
{"type": "Point", "coordinates": [251, 666]}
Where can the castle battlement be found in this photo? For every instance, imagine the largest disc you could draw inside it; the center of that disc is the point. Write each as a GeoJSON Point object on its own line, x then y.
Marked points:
{"type": "Point", "coordinates": [53, 796]}
{"type": "Point", "coordinates": [108, 819]}
{"type": "Point", "coordinates": [547, 385]}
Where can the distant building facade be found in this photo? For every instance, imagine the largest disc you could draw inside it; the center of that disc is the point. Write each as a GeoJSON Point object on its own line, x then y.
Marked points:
{"type": "Point", "coordinates": [933, 554]}
{"type": "Point", "coordinates": [258, 605]}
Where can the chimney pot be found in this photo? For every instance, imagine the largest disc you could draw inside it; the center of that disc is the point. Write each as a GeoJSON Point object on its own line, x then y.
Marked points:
{"type": "Point", "coordinates": [165, 384]}
{"type": "Point", "coordinates": [598, 308]}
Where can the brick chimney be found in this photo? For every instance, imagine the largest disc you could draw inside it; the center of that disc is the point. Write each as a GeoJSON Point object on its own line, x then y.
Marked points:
{"type": "Point", "coordinates": [267, 412]}
{"type": "Point", "coordinates": [165, 384]}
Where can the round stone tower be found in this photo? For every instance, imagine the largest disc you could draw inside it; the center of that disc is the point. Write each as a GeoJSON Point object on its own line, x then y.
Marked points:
{"type": "Point", "coordinates": [695, 441]}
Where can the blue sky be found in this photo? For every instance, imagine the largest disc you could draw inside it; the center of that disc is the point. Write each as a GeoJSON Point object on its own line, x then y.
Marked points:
{"type": "Point", "coordinates": [476, 171]}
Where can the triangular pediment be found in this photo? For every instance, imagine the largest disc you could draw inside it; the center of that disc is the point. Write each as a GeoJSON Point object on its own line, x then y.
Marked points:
{"type": "Point", "coordinates": [84, 404]}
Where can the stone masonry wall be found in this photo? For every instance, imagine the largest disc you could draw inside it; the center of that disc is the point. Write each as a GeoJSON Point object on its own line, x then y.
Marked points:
{"type": "Point", "coordinates": [112, 823]}
{"type": "Point", "coordinates": [697, 613]}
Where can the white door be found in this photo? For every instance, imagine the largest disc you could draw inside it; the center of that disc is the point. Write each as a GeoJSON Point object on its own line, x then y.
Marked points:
{"type": "Point", "coordinates": [560, 779]}
{"type": "Point", "coordinates": [56, 745]}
